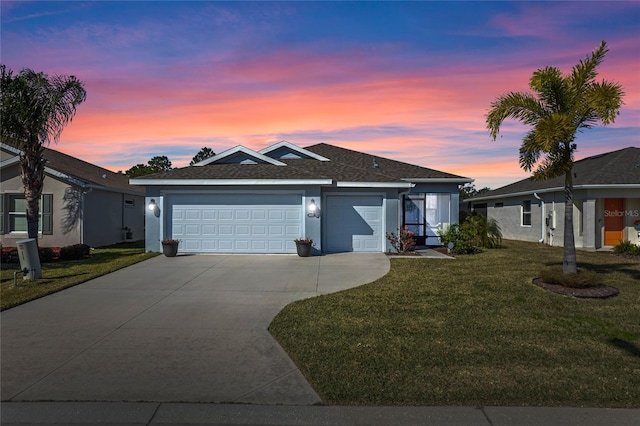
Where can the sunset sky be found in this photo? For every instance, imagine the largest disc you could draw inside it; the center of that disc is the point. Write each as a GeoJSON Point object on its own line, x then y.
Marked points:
{"type": "Point", "coordinates": [411, 81]}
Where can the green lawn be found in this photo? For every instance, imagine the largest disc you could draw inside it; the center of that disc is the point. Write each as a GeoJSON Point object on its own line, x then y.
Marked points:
{"type": "Point", "coordinates": [472, 331]}
{"type": "Point", "coordinates": [60, 275]}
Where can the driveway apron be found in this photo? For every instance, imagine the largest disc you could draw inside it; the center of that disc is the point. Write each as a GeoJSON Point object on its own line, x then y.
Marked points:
{"type": "Point", "coordinates": [183, 329]}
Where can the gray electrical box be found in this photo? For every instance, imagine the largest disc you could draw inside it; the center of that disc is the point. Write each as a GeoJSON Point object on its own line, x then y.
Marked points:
{"type": "Point", "coordinates": [29, 258]}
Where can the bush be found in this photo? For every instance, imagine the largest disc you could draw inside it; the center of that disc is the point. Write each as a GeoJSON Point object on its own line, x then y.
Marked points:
{"type": "Point", "coordinates": [403, 242]}
{"type": "Point", "coordinates": [46, 254]}
{"type": "Point", "coordinates": [75, 252]}
{"type": "Point", "coordinates": [10, 256]}
{"type": "Point", "coordinates": [627, 247]}
{"type": "Point", "coordinates": [474, 233]}
{"type": "Point", "coordinates": [583, 279]}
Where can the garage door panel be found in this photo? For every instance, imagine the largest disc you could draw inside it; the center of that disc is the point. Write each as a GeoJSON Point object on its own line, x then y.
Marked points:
{"type": "Point", "coordinates": [235, 223]}
{"type": "Point", "coordinates": [354, 223]}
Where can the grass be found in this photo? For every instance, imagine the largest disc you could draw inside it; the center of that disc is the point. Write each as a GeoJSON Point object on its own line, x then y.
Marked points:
{"type": "Point", "coordinates": [472, 331]}
{"type": "Point", "coordinates": [57, 276]}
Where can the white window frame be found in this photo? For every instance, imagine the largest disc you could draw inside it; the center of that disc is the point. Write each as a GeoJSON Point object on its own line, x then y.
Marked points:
{"type": "Point", "coordinates": [12, 214]}
{"type": "Point", "coordinates": [524, 213]}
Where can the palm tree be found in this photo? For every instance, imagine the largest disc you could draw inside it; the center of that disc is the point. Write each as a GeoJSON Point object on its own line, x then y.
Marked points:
{"type": "Point", "coordinates": [35, 108]}
{"type": "Point", "coordinates": [558, 108]}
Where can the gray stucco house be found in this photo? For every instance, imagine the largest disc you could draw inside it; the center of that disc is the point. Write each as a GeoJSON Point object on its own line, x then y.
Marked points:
{"type": "Point", "coordinates": [81, 203]}
{"type": "Point", "coordinates": [246, 201]}
{"type": "Point", "coordinates": [606, 203]}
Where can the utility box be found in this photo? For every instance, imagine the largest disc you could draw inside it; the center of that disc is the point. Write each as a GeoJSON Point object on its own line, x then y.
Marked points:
{"type": "Point", "coordinates": [29, 258]}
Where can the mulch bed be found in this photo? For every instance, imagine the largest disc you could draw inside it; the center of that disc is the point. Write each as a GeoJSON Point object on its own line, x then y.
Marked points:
{"type": "Point", "coordinates": [600, 291]}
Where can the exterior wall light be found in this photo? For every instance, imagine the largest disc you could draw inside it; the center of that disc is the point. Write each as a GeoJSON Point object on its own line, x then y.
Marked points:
{"type": "Point", "coordinates": [152, 205]}
{"type": "Point", "coordinates": [312, 210]}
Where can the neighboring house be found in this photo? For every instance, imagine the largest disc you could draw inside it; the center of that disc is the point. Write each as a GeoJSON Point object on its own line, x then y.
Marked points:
{"type": "Point", "coordinates": [244, 201]}
{"type": "Point", "coordinates": [606, 203]}
{"type": "Point", "coordinates": [81, 203]}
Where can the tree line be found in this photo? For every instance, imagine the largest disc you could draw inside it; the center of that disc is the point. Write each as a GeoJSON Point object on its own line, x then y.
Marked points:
{"type": "Point", "coordinates": [161, 163]}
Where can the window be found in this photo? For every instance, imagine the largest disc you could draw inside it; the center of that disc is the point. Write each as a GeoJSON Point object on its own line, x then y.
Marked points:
{"type": "Point", "coordinates": [13, 212]}
{"type": "Point", "coordinates": [526, 213]}
{"type": "Point", "coordinates": [129, 202]}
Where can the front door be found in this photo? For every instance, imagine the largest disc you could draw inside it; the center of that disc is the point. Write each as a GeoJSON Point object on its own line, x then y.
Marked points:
{"type": "Point", "coordinates": [613, 221]}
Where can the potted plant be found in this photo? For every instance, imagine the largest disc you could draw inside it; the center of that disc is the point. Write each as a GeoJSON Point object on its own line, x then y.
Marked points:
{"type": "Point", "coordinates": [303, 246]}
{"type": "Point", "coordinates": [170, 247]}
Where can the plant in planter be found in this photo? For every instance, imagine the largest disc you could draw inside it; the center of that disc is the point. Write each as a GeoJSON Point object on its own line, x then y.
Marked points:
{"type": "Point", "coordinates": [303, 246]}
{"type": "Point", "coordinates": [128, 235]}
{"type": "Point", "coordinates": [170, 247]}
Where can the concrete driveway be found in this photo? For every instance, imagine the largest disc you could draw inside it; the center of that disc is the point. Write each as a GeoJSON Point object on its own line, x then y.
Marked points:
{"type": "Point", "coordinates": [183, 329]}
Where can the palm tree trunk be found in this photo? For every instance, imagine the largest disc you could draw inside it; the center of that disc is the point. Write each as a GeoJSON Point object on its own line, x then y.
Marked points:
{"type": "Point", "coordinates": [569, 262]}
{"type": "Point", "coordinates": [32, 169]}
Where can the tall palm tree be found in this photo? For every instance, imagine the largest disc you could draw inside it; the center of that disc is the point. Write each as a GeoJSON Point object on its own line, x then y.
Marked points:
{"type": "Point", "coordinates": [559, 107]}
{"type": "Point", "coordinates": [34, 109]}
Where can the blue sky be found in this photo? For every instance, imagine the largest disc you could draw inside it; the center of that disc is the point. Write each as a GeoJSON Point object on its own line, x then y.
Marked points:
{"type": "Point", "coordinates": [406, 80]}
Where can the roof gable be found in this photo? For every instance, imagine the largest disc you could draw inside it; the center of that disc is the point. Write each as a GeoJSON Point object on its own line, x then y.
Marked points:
{"type": "Point", "coordinates": [287, 150]}
{"type": "Point", "coordinates": [240, 155]}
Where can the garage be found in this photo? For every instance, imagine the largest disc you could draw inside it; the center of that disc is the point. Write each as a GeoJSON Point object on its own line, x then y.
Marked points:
{"type": "Point", "coordinates": [354, 223]}
{"type": "Point", "coordinates": [238, 223]}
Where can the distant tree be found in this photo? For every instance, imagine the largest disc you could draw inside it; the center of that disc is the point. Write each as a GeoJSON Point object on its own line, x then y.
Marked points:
{"type": "Point", "coordinates": [469, 190]}
{"type": "Point", "coordinates": [157, 164]}
{"type": "Point", "coordinates": [559, 107]}
{"type": "Point", "coordinates": [202, 155]}
{"type": "Point", "coordinates": [34, 109]}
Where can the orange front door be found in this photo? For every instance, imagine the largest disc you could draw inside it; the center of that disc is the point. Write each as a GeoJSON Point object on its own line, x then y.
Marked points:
{"type": "Point", "coordinates": [613, 221]}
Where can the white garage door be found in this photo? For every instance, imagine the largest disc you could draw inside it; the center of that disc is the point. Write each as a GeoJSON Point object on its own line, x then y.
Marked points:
{"type": "Point", "coordinates": [237, 223]}
{"type": "Point", "coordinates": [353, 223]}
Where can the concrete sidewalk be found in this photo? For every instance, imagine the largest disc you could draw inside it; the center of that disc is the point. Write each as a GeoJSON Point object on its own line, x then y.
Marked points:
{"type": "Point", "coordinates": [114, 413]}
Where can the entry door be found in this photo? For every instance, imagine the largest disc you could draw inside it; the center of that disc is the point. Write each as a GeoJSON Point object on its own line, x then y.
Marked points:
{"type": "Point", "coordinates": [613, 221]}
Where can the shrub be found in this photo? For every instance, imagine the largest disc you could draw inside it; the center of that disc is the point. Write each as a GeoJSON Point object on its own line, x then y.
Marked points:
{"type": "Point", "coordinates": [474, 233]}
{"type": "Point", "coordinates": [627, 247]}
{"type": "Point", "coordinates": [75, 252]}
{"type": "Point", "coordinates": [46, 254]}
{"type": "Point", "coordinates": [583, 279]}
{"type": "Point", "coordinates": [10, 256]}
{"type": "Point", "coordinates": [403, 242]}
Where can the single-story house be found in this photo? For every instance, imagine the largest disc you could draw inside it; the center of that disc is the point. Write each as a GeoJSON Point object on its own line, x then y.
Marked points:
{"type": "Point", "coordinates": [606, 203]}
{"type": "Point", "coordinates": [81, 203]}
{"type": "Point", "coordinates": [246, 201]}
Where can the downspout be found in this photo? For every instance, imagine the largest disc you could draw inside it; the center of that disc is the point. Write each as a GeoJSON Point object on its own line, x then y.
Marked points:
{"type": "Point", "coordinates": [543, 218]}
{"type": "Point", "coordinates": [82, 213]}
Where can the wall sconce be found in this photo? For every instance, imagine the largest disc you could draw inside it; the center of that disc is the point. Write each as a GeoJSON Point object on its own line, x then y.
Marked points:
{"type": "Point", "coordinates": [153, 207]}
{"type": "Point", "coordinates": [312, 210]}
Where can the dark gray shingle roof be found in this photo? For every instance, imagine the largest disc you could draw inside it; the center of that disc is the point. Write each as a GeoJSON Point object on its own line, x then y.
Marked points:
{"type": "Point", "coordinates": [621, 167]}
{"type": "Point", "coordinates": [344, 165]}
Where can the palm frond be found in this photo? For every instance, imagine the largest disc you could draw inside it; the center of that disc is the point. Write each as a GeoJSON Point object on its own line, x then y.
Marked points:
{"type": "Point", "coordinates": [521, 106]}
{"type": "Point", "coordinates": [585, 71]}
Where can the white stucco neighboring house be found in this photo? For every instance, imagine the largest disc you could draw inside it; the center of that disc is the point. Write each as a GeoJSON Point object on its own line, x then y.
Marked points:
{"type": "Point", "coordinates": [246, 201]}
{"type": "Point", "coordinates": [606, 203]}
{"type": "Point", "coordinates": [81, 203]}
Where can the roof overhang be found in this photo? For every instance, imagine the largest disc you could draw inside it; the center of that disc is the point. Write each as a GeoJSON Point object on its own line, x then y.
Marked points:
{"type": "Point", "coordinates": [375, 184]}
{"type": "Point", "coordinates": [456, 180]}
{"type": "Point", "coordinates": [228, 182]}
{"type": "Point", "coordinates": [554, 189]}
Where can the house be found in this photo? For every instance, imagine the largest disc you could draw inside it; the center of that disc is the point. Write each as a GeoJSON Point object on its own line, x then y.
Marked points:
{"type": "Point", "coordinates": [246, 201]}
{"type": "Point", "coordinates": [606, 203]}
{"type": "Point", "coordinates": [81, 203]}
